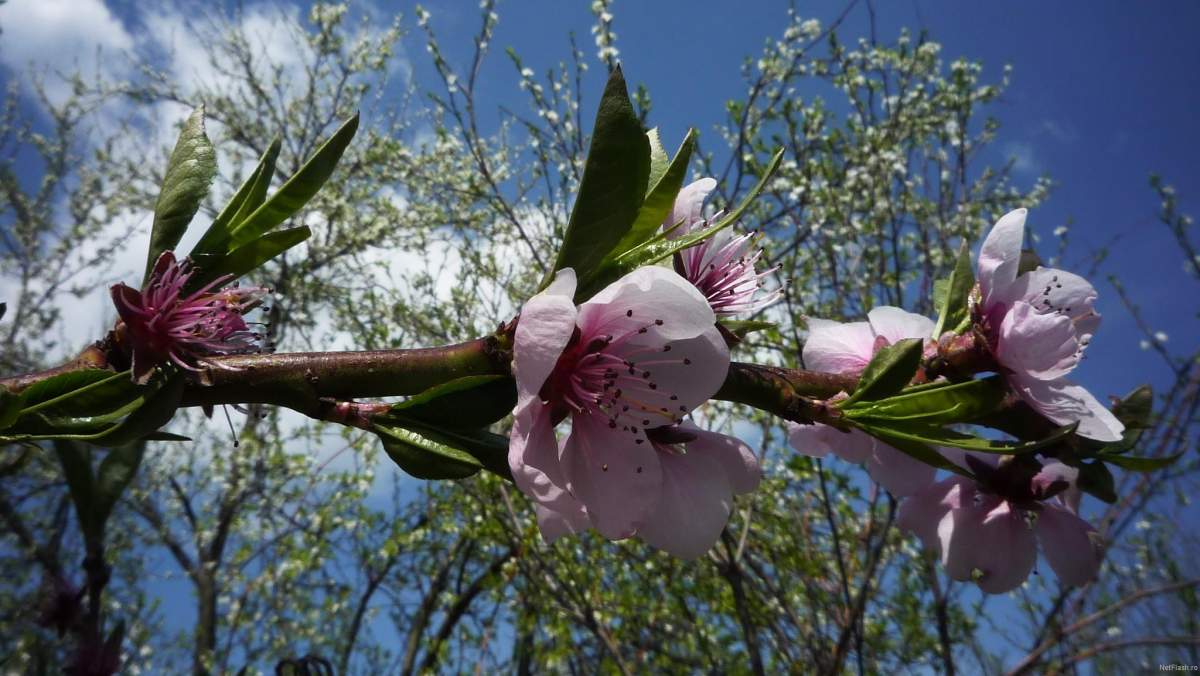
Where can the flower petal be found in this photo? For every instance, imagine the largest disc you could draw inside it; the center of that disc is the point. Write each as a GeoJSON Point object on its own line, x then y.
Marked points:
{"type": "Point", "coordinates": [683, 378]}
{"type": "Point", "coordinates": [736, 460]}
{"type": "Point", "coordinates": [1064, 402]}
{"type": "Point", "coordinates": [694, 506]}
{"type": "Point", "coordinates": [650, 297]}
{"type": "Point", "coordinates": [1042, 346]}
{"type": "Point", "coordinates": [533, 453]}
{"type": "Point", "coordinates": [1058, 291]}
{"type": "Point", "coordinates": [898, 472]}
{"type": "Point", "coordinates": [689, 205]}
{"type": "Point", "coordinates": [617, 479]}
{"type": "Point", "coordinates": [896, 324]}
{"type": "Point", "coordinates": [833, 347]}
{"type": "Point", "coordinates": [1000, 256]}
{"type": "Point", "coordinates": [818, 440]}
{"type": "Point", "coordinates": [545, 326]}
{"type": "Point", "coordinates": [1067, 541]}
{"type": "Point", "coordinates": [921, 512]}
{"type": "Point", "coordinates": [991, 544]}
{"type": "Point", "coordinates": [568, 518]}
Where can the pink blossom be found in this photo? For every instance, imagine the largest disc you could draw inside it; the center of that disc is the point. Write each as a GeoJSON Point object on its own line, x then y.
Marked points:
{"type": "Point", "coordinates": [722, 267]}
{"type": "Point", "coordinates": [834, 347]}
{"type": "Point", "coordinates": [988, 531]}
{"type": "Point", "coordinates": [625, 367]}
{"type": "Point", "coordinates": [1038, 324]}
{"type": "Point", "coordinates": [161, 325]}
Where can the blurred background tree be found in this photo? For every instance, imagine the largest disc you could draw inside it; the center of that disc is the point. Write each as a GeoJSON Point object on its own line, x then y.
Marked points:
{"type": "Point", "coordinates": [281, 538]}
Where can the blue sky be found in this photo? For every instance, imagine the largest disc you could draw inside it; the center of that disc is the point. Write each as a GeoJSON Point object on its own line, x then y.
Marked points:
{"type": "Point", "coordinates": [1102, 94]}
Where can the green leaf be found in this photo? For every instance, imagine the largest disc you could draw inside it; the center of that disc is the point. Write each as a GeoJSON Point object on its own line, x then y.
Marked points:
{"type": "Point", "coordinates": [741, 328]}
{"type": "Point", "coordinates": [926, 454]}
{"type": "Point", "coordinates": [660, 246]}
{"type": "Point", "coordinates": [63, 383]}
{"type": "Point", "coordinates": [1095, 479]}
{"type": "Point", "coordinates": [250, 256]}
{"type": "Point", "coordinates": [76, 462]}
{"type": "Point", "coordinates": [895, 432]}
{"type": "Point", "coordinates": [942, 404]}
{"type": "Point", "coordinates": [953, 310]}
{"type": "Point", "coordinates": [613, 185]}
{"type": "Point", "coordinates": [248, 198]}
{"type": "Point", "coordinates": [890, 371]}
{"type": "Point", "coordinates": [1136, 408]}
{"type": "Point", "coordinates": [660, 198]}
{"type": "Point", "coordinates": [659, 161]}
{"type": "Point", "coordinates": [425, 456]}
{"type": "Point", "coordinates": [10, 407]}
{"type": "Point", "coordinates": [298, 189]}
{"type": "Point", "coordinates": [155, 410]}
{"type": "Point", "coordinates": [190, 172]}
{"type": "Point", "coordinates": [1140, 464]}
{"type": "Point", "coordinates": [107, 398]}
{"type": "Point", "coordinates": [469, 403]}
{"type": "Point", "coordinates": [116, 471]}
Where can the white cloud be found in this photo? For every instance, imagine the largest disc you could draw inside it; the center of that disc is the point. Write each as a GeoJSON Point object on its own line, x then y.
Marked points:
{"type": "Point", "coordinates": [1024, 158]}
{"type": "Point", "coordinates": [62, 36]}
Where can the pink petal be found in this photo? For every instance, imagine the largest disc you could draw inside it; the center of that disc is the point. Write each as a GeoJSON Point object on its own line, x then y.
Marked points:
{"type": "Point", "coordinates": [818, 440]}
{"type": "Point", "coordinates": [735, 459]}
{"type": "Point", "coordinates": [694, 505]}
{"type": "Point", "coordinates": [617, 479]}
{"type": "Point", "coordinates": [921, 512]}
{"type": "Point", "coordinates": [1060, 292]}
{"type": "Point", "coordinates": [1042, 346]}
{"type": "Point", "coordinates": [570, 518]}
{"type": "Point", "coordinates": [692, 371]}
{"type": "Point", "coordinates": [991, 544]}
{"type": "Point", "coordinates": [1067, 541]}
{"type": "Point", "coordinates": [689, 205]}
{"type": "Point", "coordinates": [1064, 402]}
{"type": "Point", "coordinates": [833, 347]}
{"type": "Point", "coordinates": [1000, 257]}
{"type": "Point", "coordinates": [533, 453]}
{"type": "Point", "coordinates": [545, 326]}
{"type": "Point", "coordinates": [898, 472]}
{"type": "Point", "coordinates": [644, 298]}
{"type": "Point", "coordinates": [896, 324]}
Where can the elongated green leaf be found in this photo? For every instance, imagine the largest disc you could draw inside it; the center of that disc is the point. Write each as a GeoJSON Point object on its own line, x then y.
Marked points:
{"type": "Point", "coordinates": [76, 462]}
{"type": "Point", "coordinates": [1136, 408]}
{"type": "Point", "coordinates": [1139, 463]}
{"type": "Point", "coordinates": [10, 407]}
{"type": "Point", "coordinates": [466, 403]}
{"type": "Point", "coordinates": [1095, 479]}
{"type": "Point", "coordinates": [659, 161]}
{"type": "Point", "coordinates": [953, 310]}
{"type": "Point", "coordinates": [250, 256]}
{"type": "Point", "coordinates": [156, 410]}
{"type": "Point", "coordinates": [661, 247]}
{"type": "Point", "coordinates": [744, 327]}
{"type": "Point", "coordinates": [116, 470]}
{"type": "Point", "coordinates": [190, 172]}
{"type": "Point", "coordinates": [660, 199]}
{"type": "Point", "coordinates": [943, 404]}
{"type": "Point", "coordinates": [890, 370]}
{"type": "Point", "coordinates": [900, 431]}
{"type": "Point", "coordinates": [55, 386]}
{"type": "Point", "coordinates": [104, 397]}
{"type": "Point", "coordinates": [613, 185]}
{"type": "Point", "coordinates": [926, 454]}
{"type": "Point", "coordinates": [248, 198]}
{"type": "Point", "coordinates": [424, 457]}
{"type": "Point", "coordinates": [298, 189]}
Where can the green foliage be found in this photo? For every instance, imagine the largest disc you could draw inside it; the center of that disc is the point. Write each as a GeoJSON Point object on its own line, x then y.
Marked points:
{"type": "Point", "coordinates": [470, 402]}
{"type": "Point", "coordinates": [889, 371]}
{"type": "Point", "coordinates": [951, 296]}
{"type": "Point", "coordinates": [240, 239]}
{"type": "Point", "coordinates": [665, 183]}
{"type": "Point", "coordinates": [190, 172]}
{"type": "Point", "coordinates": [936, 404]}
{"type": "Point", "coordinates": [96, 493]}
{"type": "Point", "coordinates": [612, 189]}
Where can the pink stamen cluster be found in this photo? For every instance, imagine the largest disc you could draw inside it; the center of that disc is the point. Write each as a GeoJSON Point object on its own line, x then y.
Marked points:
{"type": "Point", "coordinates": [162, 325]}
{"type": "Point", "coordinates": [723, 269]}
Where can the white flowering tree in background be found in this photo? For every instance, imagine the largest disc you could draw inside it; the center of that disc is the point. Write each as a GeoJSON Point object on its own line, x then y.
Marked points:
{"type": "Point", "coordinates": [546, 396]}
